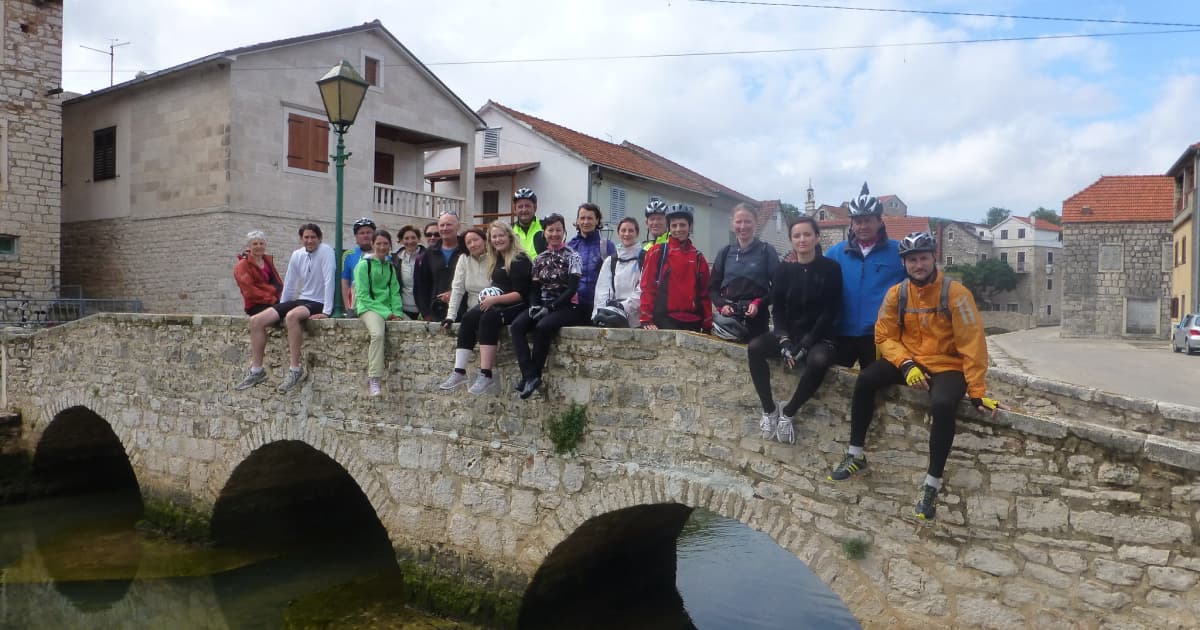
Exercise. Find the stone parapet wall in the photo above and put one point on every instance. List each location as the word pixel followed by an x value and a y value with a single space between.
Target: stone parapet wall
pixel 1086 513
pixel 1008 321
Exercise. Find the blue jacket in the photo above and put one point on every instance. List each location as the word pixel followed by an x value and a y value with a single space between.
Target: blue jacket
pixel 865 282
pixel 592 250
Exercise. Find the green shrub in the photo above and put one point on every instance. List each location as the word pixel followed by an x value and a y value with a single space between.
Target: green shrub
pixel 566 431
pixel 855 548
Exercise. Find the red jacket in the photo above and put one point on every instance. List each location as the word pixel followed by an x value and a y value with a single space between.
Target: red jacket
pixel 257 289
pixel 683 277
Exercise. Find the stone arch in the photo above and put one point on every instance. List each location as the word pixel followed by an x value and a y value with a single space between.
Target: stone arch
pixel 75 435
pixel 731 497
pixel 121 423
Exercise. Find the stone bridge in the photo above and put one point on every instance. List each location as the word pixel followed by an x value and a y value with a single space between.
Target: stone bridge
pixel 1083 513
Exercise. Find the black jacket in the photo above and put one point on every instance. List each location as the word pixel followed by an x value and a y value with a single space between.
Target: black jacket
pixel 517 278
pixel 807 300
pixel 432 277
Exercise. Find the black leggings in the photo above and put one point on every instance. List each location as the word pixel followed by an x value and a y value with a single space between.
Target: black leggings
pixel 484 326
pixel 666 322
pixel 851 349
pixel 544 330
pixel 816 364
pixel 946 389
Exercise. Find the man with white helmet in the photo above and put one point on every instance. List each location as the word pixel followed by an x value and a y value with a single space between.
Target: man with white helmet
pixel 931 337
pixel 527 227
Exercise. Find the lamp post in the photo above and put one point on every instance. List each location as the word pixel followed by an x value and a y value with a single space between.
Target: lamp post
pixel 342 91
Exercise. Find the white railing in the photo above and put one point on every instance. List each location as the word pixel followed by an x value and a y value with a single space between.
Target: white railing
pixel 392 200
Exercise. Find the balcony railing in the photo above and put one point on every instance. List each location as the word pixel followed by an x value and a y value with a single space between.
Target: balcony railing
pixel 426 205
pixel 31 313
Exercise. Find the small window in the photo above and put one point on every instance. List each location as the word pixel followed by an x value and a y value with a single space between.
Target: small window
pixel 491 205
pixel 983 257
pixel 949 260
pixel 1060 237
pixel 1003 234
pixel 1110 257
pixel 1020 232
pixel 1003 256
pixel 1167 258
pixel 1049 258
pixel 307 143
pixel 1020 261
pixel 1175 312
pixel 822 216
pixel 104 154
pixel 371 70
pixel 8 245
pixel 372 66
pixel 949 235
pixel 1049 284
pixel 1049 310
pixel 491 142
pixel 616 205
pixel 1012 307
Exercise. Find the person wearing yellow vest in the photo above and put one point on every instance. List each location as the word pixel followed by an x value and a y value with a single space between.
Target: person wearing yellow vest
pixel 656 224
pixel 527 227
pixel 931 338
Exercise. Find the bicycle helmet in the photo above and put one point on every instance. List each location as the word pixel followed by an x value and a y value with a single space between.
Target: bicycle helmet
pixel 610 317
pixel 363 222
pixel 865 205
pixel 656 206
pixel 490 292
pixel 525 193
pixel 681 210
pixel 730 328
pixel 917 242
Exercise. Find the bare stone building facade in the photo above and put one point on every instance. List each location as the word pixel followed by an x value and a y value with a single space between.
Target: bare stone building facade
pixel 30 147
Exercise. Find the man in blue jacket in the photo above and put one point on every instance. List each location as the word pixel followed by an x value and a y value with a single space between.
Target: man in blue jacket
pixel 870 266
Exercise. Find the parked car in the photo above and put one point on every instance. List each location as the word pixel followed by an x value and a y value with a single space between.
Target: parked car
pixel 1186 334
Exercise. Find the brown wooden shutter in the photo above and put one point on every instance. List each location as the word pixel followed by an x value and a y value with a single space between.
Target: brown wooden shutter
pixel 319 136
pixel 298 143
pixel 371 71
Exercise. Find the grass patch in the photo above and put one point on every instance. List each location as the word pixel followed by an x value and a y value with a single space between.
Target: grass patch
pixel 855 548
pixel 566 431
pixel 174 520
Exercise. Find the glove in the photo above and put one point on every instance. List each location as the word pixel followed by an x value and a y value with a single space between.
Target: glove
pixel 985 402
pixel 792 352
pixel 446 323
pixel 537 312
pixel 912 373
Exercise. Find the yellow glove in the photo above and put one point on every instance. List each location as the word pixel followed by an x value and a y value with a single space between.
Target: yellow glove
pixel 985 402
pixel 912 373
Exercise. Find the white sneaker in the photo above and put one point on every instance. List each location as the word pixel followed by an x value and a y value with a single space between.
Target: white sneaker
pixel 454 380
pixel 482 384
pixel 294 377
pixel 373 387
pixel 767 424
pixel 784 431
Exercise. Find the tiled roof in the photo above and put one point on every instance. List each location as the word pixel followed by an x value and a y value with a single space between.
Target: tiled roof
pixel 612 155
pixel 715 187
pixel 1122 198
pixel 498 169
pixel 899 227
pixel 1043 224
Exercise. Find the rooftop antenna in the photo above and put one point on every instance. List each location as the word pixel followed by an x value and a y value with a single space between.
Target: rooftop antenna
pixel 113 43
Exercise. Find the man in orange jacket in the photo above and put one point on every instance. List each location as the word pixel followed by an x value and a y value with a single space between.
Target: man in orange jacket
pixel 931 338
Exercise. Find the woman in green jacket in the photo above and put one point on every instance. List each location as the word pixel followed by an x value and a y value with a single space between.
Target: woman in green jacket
pixel 377 298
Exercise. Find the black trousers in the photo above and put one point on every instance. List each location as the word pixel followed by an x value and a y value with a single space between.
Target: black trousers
pixel 817 362
pixel 855 349
pixel 543 331
pixel 946 389
pixel 484 326
pixel 666 322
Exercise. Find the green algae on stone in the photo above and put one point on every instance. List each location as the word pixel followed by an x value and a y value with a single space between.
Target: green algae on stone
pixel 175 520
pixel 444 594
pixel 375 602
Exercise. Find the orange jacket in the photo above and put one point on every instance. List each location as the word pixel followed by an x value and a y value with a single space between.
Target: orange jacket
pixel 255 288
pixel 938 342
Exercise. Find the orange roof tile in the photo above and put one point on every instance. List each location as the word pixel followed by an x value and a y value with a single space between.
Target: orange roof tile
pixel 1122 198
pixel 498 169
pixel 713 186
pixel 1043 224
pixel 606 153
pixel 899 227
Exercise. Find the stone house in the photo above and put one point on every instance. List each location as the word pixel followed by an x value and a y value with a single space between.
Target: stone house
pixel 1034 249
pixel 1185 239
pixel 30 147
pixel 962 243
pixel 165 174
pixel 1117 252
pixel 566 168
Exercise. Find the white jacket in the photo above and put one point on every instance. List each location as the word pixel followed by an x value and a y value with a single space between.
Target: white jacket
pixel 470 277
pixel 627 281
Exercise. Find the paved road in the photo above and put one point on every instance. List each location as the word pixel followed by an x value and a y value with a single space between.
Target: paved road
pixel 1146 369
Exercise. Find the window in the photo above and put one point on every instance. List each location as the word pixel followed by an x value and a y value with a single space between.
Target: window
pixel 616 204
pixel 1003 234
pixel 1012 307
pixel 1060 237
pixel 949 235
pixel 491 205
pixel 491 142
pixel 1020 261
pixel 1166 257
pixel 1175 311
pixel 1049 258
pixel 307 143
pixel 1049 284
pixel 1003 256
pixel 1110 257
pixel 949 260
pixel 1049 310
pixel 983 257
pixel 371 71
pixel 822 216
pixel 8 245
pixel 1020 232
pixel 104 154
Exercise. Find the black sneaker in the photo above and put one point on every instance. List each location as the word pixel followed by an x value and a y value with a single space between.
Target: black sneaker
pixel 531 386
pixel 926 506
pixel 849 466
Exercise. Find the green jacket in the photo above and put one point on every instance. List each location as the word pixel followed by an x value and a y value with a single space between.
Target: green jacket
pixel 376 288
pixel 662 238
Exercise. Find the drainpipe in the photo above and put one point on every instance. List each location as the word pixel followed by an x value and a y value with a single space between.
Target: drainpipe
pixel 3 374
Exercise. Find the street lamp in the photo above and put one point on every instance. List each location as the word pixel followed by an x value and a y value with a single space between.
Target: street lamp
pixel 342 91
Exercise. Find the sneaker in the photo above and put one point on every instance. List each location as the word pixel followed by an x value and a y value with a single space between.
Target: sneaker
pixel 482 384
pixel 519 385
pixel 454 380
pixel 767 424
pixel 926 506
pixel 784 431
pixel 373 387
pixel 252 379
pixel 531 386
pixel 293 378
pixel 849 466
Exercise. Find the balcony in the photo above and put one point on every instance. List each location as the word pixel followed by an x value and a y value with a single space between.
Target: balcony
pixel 413 203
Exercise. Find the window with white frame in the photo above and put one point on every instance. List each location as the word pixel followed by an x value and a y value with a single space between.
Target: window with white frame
pixel 1003 234
pixel 949 235
pixel 949 260
pixel 1020 232
pixel 491 142
pixel 1012 307
pixel 1111 257
pixel 307 148
pixel 371 64
pixel 616 204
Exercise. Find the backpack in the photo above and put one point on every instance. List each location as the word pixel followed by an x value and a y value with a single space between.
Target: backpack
pixel 660 298
pixel 612 268
pixel 943 306
pixel 724 253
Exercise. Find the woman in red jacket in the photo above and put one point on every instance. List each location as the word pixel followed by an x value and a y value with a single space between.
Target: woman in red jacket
pixel 675 280
pixel 256 275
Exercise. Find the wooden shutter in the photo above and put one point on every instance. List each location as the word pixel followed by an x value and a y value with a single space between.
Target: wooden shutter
pixel 319 136
pixel 297 152
pixel 371 70
pixel 308 143
pixel 104 154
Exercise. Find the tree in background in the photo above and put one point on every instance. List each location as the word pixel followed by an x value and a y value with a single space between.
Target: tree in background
pixel 996 216
pixel 1046 214
pixel 986 278
pixel 789 211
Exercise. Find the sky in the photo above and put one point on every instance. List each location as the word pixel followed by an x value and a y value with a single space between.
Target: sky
pixel 953 129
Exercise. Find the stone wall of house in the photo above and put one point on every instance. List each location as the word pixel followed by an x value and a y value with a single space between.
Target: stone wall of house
pixel 1095 302
pixel 30 146
pixel 962 245
pixel 1079 509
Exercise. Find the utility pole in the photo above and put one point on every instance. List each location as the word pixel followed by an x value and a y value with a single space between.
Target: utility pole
pixel 113 43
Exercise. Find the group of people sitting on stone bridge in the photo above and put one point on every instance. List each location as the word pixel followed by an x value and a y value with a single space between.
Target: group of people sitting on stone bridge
pixel 868 297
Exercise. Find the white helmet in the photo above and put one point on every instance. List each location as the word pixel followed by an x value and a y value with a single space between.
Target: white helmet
pixel 490 292
pixel 865 205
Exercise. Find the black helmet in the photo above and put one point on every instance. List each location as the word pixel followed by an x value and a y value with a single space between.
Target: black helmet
pixel 610 317
pixel 363 222
pixel 656 206
pixel 865 205
pixel 917 242
pixel 525 193
pixel 681 210
pixel 730 328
